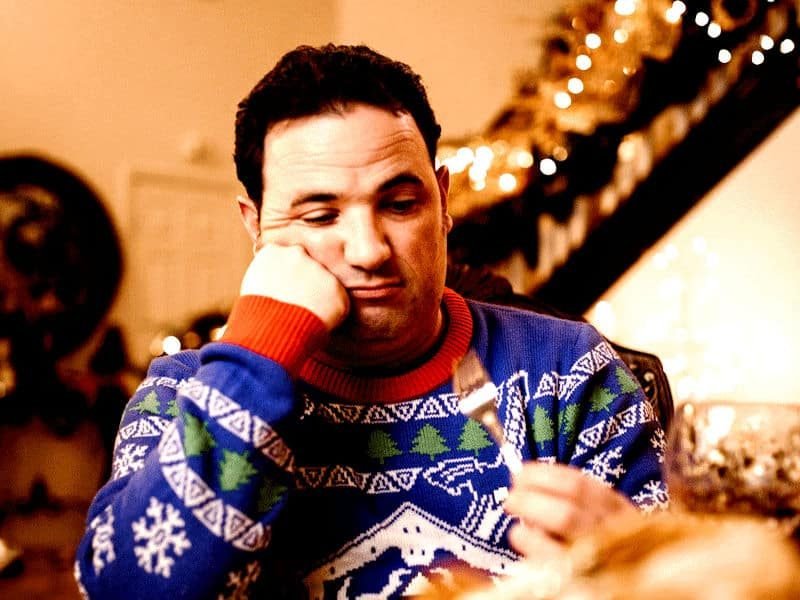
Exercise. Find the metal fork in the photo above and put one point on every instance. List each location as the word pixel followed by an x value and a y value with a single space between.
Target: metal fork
pixel 478 400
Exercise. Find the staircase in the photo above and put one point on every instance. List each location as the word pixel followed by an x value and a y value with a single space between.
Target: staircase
pixel 642 107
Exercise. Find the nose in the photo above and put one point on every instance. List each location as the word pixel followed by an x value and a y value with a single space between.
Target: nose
pixel 365 243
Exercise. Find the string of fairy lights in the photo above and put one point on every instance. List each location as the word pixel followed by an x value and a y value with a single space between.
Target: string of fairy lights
pixel 592 84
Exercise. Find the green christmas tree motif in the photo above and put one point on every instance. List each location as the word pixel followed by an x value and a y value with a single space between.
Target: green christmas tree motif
pixel 601 398
pixel 381 446
pixel 234 470
pixel 172 408
pixel 429 442
pixel 627 383
pixel 196 437
pixel 269 493
pixel 473 437
pixel 543 427
pixel 148 404
pixel 567 419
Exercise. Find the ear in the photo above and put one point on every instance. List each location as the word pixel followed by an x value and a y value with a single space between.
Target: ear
pixel 249 214
pixel 443 180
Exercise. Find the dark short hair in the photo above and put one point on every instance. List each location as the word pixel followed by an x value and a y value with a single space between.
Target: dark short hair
pixel 308 81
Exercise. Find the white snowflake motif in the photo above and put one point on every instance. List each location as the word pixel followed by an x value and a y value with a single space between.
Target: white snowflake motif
pixel 102 544
pixel 659 442
pixel 240 582
pixel 654 496
pixel 128 459
pixel 159 537
pixel 599 466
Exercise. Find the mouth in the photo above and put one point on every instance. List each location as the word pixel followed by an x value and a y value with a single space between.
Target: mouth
pixel 375 292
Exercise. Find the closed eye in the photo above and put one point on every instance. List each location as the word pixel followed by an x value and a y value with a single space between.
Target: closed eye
pixel 402 206
pixel 319 217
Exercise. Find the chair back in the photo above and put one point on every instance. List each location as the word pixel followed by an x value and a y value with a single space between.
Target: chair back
pixel 479 283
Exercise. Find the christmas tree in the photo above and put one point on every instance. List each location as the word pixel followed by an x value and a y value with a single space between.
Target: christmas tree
pixel 473 437
pixel 381 446
pixel 234 470
pixel 601 399
pixel 543 427
pixel 149 404
pixel 196 437
pixel 429 442
pixel 626 382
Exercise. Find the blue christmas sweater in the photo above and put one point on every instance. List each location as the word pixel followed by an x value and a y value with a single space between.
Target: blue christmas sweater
pixel 251 468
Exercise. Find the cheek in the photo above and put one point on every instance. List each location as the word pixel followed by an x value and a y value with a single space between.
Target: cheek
pixel 320 244
pixel 426 247
pixel 323 246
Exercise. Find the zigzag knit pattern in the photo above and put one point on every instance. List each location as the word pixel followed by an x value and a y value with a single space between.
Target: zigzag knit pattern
pixel 241 471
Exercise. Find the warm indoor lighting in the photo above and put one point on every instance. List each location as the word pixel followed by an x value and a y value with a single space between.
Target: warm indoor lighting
pixel 547 166
pixel 477 172
pixel 701 19
pixel 560 153
pixel 562 100
pixel 465 154
pixel 714 30
pixel 524 159
pixel 507 182
pixel 602 316
pixel 478 184
pixel 757 57
pixel 454 165
pixel 583 62
pixel 767 43
pixel 672 16
pixel 575 85
pixel 620 36
pixel 674 13
pixel 625 8
pixel 593 41
pixel 483 157
pixel 724 56
pixel 171 345
pixel 459 162
pixel 626 150
pixel 787 46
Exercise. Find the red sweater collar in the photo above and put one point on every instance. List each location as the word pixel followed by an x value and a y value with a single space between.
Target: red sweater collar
pixel 404 386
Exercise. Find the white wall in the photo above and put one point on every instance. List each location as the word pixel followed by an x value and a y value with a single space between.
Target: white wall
pixel 108 86
pixel 717 298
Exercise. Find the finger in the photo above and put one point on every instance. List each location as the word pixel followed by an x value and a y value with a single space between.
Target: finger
pixel 572 484
pixel 532 542
pixel 559 480
pixel 555 515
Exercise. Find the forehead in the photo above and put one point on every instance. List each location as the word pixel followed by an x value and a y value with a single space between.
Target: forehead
pixel 363 142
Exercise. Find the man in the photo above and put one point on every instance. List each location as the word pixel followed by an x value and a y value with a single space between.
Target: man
pixel 318 448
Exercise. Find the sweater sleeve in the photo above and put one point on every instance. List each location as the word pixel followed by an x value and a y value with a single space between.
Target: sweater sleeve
pixel 201 466
pixel 605 425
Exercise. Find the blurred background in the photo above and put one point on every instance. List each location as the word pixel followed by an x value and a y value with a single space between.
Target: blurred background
pixel 633 162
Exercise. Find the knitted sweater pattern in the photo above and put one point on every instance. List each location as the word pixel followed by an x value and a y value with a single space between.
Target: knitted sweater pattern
pixel 253 469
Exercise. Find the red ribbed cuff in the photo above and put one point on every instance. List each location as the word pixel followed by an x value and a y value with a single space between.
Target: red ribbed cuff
pixel 285 333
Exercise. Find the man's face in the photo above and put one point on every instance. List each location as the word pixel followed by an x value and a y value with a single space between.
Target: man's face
pixel 358 192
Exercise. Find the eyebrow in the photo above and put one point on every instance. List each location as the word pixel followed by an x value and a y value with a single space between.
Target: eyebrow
pixel 397 180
